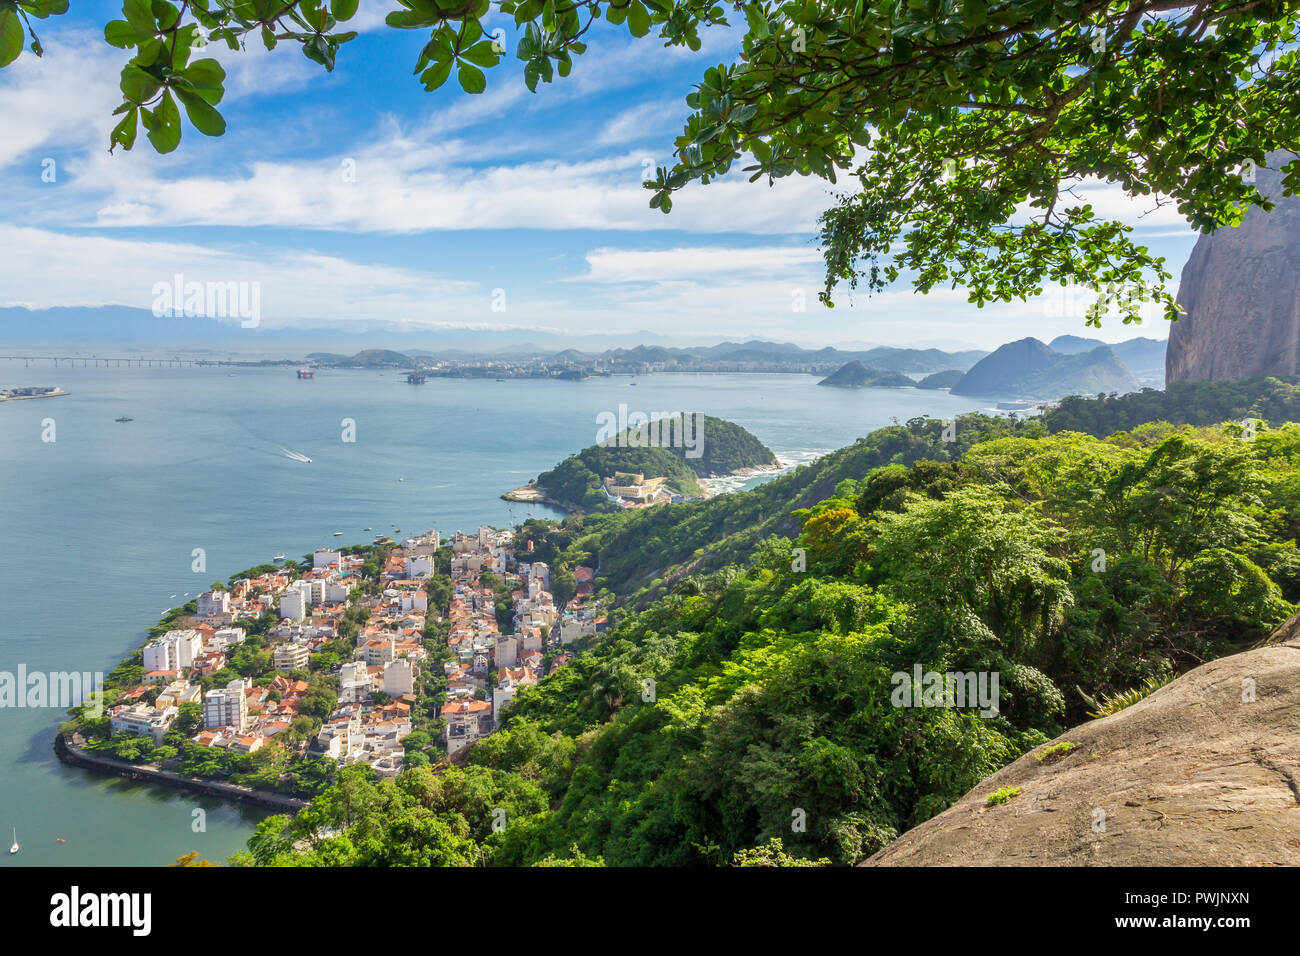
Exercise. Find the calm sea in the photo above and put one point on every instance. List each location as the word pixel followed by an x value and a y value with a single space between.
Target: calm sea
pixel 98 527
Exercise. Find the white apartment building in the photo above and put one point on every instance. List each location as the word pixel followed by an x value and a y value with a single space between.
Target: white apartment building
pixel 353 671
pixel 574 626
pixel 143 719
pixel 213 602
pixel 414 601
pixel 291 657
pixel 173 651
pixel 469 561
pixel 324 557
pixel 506 651
pixel 228 637
pixel 227 707
pixel 501 696
pixel 179 692
pixel 399 678
pixel 293 605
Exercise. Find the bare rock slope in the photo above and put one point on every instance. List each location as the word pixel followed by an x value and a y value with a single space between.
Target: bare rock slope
pixel 1241 291
pixel 1193 775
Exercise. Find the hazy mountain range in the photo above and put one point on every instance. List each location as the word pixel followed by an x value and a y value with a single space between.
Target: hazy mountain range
pixel 1032 369
pixel 1070 363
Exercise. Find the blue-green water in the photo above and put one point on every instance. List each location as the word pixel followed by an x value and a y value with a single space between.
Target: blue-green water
pixel 97 528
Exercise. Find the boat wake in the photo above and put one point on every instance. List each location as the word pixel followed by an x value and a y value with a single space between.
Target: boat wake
pixel 296 456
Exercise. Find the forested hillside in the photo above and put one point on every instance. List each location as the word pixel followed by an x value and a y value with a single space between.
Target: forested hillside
pixel 1273 399
pixel 758 702
pixel 707 448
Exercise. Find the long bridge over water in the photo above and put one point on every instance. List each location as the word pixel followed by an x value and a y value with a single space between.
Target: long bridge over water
pixel 113 361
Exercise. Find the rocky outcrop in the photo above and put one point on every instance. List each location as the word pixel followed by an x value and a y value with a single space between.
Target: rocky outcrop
pixel 1196 774
pixel 1241 292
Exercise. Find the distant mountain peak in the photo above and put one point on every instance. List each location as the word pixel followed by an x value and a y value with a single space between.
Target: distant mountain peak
pixel 1029 368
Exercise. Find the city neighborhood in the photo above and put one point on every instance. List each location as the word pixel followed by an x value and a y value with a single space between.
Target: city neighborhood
pixel 361 617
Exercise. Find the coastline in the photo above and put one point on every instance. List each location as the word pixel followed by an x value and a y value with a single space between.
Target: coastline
pixel 534 495
pixel 146 773
pixel 716 485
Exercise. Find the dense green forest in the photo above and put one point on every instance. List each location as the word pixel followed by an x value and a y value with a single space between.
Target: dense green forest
pixel 711 447
pixel 1275 400
pixel 748 713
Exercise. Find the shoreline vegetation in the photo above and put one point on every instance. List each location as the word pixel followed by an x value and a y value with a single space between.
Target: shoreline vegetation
pixel 70 752
pixel 534 494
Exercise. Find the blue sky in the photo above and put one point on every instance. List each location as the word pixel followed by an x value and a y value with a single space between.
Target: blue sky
pixel 454 197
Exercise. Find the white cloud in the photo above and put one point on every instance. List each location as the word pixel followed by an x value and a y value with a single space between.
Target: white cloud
pixel 59 98
pixel 409 185
pixel 649 120
pixel 696 262
pixel 46 268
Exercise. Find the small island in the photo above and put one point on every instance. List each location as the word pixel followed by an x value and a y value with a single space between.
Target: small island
pixel 649 463
pixel 856 375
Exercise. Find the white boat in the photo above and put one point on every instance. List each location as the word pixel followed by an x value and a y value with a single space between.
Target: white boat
pixel 337 533
pixel 278 557
pixel 14 849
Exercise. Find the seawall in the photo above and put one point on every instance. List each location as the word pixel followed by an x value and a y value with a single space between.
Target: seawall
pixel 211 788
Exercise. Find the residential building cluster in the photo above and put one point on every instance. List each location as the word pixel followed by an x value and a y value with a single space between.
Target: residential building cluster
pixel 378 687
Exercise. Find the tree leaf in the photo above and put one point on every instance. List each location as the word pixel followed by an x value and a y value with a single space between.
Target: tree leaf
pixel 11 36
pixel 205 74
pixel 471 78
pixel 121 34
pixel 204 117
pixel 482 54
pixel 165 129
pixel 139 14
pixel 137 85
pixel 638 19
pixel 124 132
pixel 436 75
pixel 343 9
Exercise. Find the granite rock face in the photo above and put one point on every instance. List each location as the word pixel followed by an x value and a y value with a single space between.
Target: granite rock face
pixel 1241 292
pixel 1192 775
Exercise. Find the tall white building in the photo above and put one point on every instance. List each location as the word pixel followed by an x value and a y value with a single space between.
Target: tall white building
pixel 399 677
pixel 213 602
pixel 143 719
pixel 227 636
pixel 173 651
pixel 324 557
pixel 226 707
pixel 293 605
pixel 291 657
